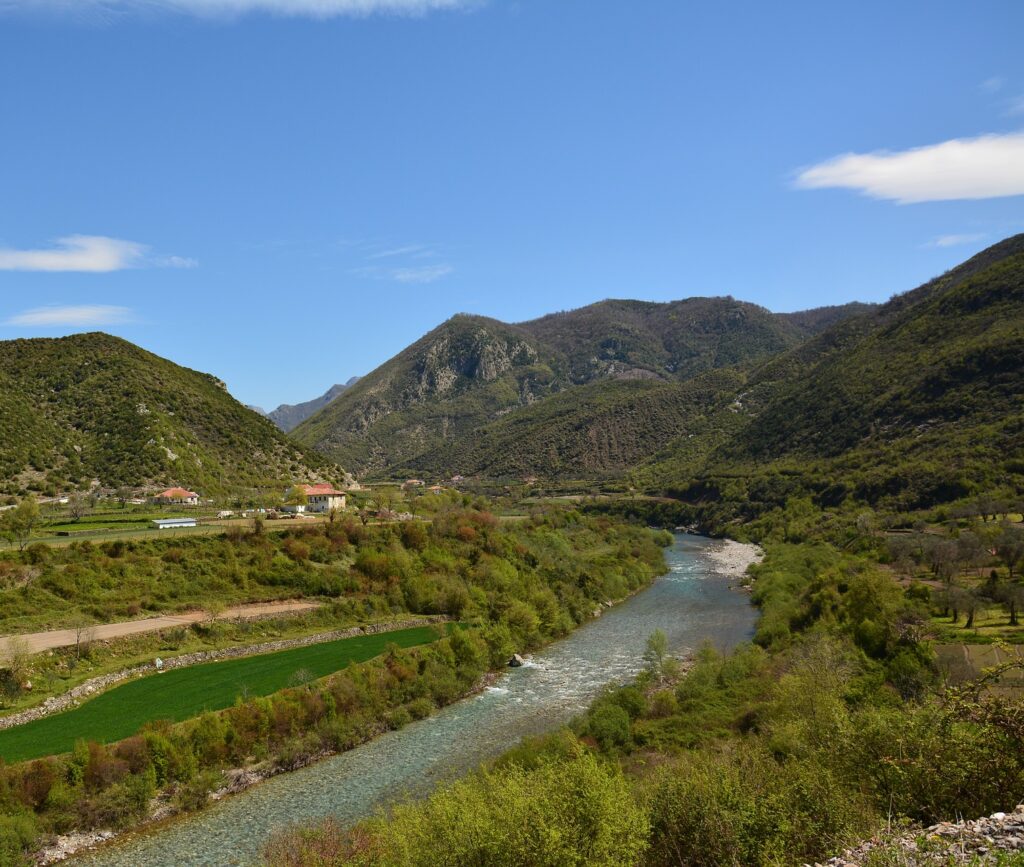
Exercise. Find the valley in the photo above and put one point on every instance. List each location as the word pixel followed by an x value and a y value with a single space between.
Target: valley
pixel 506 477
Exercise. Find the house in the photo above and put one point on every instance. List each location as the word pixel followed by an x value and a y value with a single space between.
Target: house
pixel 174 523
pixel 436 489
pixel 177 497
pixel 322 499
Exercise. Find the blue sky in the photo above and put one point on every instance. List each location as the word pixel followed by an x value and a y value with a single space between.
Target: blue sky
pixel 287 192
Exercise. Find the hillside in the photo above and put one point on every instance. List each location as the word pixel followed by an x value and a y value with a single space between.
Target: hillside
pixel 427 408
pixel 94 406
pixel 593 431
pixel 912 404
pixel 464 372
pixel 676 340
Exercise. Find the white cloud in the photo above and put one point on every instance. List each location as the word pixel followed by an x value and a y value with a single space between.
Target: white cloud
pixel 416 250
pixel 215 8
pixel 989 166
pixel 993 84
pixel 77 316
pixel 174 262
pixel 955 240
pixel 90 253
pixel 426 274
pixel 406 274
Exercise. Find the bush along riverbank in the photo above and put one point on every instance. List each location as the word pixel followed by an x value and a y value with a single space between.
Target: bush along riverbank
pixel 516 584
pixel 830 726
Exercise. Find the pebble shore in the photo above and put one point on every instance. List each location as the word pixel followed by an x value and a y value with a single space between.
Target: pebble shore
pixel 732 559
pixel 979 841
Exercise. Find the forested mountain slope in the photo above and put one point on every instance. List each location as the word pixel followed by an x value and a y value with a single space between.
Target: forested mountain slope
pixel 917 402
pixel 430 409
pixel 95 406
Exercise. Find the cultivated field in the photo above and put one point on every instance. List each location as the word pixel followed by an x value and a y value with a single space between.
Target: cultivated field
pixel 186 692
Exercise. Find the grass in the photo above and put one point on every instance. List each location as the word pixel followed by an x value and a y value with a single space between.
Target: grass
pixel 187 692
pixel 991 624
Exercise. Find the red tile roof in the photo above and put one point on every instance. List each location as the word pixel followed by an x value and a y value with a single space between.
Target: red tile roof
pixel 177 494
pixel 321 490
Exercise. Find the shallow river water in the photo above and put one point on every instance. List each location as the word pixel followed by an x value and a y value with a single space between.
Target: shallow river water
pixel 690 604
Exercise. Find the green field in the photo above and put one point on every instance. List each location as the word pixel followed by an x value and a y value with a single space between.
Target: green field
pixel 186 692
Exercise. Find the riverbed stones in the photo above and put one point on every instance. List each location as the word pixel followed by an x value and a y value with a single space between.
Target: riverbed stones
pixel 981 841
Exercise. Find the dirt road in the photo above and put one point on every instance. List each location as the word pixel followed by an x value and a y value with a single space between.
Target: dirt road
pixel 35 642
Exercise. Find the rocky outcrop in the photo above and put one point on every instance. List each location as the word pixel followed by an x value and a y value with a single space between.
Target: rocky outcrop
pixel 981 841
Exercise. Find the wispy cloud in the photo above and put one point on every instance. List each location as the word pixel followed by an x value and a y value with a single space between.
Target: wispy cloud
pixel 993 84
pixel 398 262
pixel 425 274
pixel 1015 106
pixel 989 166
pixel 418 251
pixel 406 274
pixel 955 240
pixel 220 8
pixel 89 253
pixel 75 316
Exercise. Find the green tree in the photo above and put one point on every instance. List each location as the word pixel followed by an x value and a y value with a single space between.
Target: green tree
pixel 1010 547
pixel 297 496
pixel 18 524
pixel 657 648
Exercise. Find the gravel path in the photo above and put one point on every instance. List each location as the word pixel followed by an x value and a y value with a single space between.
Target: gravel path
pixel 35 642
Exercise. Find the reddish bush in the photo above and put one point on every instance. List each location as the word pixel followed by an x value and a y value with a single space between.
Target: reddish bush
pixel 103 769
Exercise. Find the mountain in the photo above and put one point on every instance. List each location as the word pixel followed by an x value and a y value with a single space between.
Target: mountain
pixel 464 372
pixel 289 415
pixel 424 408
pixel 598 430
pixel 914 403
pixel 95 406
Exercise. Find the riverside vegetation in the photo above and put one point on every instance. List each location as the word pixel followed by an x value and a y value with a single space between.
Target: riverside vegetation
pixel 514 584
pixel 832 724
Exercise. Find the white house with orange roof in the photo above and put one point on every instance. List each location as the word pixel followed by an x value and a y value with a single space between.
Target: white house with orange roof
pixel 177 497
pixel 323 498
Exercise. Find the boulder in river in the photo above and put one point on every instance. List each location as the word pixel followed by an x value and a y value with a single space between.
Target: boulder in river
pixel 516 661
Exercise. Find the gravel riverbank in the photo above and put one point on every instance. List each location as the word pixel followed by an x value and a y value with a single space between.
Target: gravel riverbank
pixel 732 559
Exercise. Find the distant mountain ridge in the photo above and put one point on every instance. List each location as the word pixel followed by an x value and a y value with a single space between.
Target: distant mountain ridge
pixel 93 406
pixel 424 407
pixel 288 416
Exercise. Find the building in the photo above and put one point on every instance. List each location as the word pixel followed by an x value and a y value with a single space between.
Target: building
pixel 322 499
pixel 412 483
pixel 177 497
pixel 174 523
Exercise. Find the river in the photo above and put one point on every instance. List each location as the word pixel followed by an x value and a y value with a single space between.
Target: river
pixel 691 603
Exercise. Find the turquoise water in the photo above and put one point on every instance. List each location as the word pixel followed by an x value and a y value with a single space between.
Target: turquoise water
pixel 690 604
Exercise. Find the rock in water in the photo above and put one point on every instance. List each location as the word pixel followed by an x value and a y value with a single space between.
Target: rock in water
pixel 516 661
